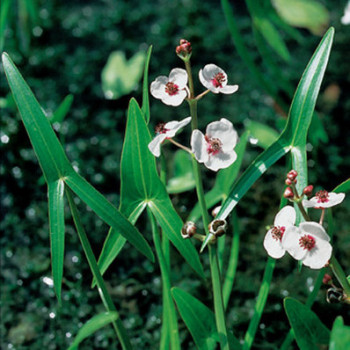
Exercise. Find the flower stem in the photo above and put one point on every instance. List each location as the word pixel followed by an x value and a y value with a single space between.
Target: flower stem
pixel 180 146
pixel 170 311
pixel 202 94
pixel 102 289
pixel 190 78
pixel 322 216
pixel 341 277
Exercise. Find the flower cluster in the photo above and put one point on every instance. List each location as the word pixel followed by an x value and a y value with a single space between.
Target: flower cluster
pixel 216 148
pixel 308 242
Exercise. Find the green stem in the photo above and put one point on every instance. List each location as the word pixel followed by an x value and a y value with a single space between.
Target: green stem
pixel 233 261
pixel 106 298
pixel 190 78
pixel 260 304
pixel 170 313
pixel 339 273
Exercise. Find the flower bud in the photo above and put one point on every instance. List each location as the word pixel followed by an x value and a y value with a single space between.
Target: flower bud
pixel 292 175
pixel 327 279
pixel 218 227
pixel 184 50
pixel 308 190
pixel 288 182
pixel 288 193
pixel 188 229
pixel 215 211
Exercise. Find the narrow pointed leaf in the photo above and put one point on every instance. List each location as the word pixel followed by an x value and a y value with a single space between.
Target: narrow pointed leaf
pixel 56 221
pixel 294 135
pixel 145 93
pixel 199 319
pixel 140 186
pixel 108 213
pixel 340 336
pixel 91 326
pixel 49 151
pixel 310 333
pixel 62 110
pixel 343 187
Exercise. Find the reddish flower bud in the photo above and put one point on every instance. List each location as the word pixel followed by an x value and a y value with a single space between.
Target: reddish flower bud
pixel 327 279
pixel 288 193
pixel 292 175
pixel 288 182
pixel 184 50
pixel 308 190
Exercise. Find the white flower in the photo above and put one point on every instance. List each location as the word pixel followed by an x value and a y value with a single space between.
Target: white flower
pixel 172 91
pixel 215 79
pixel 309 243
pixel 166 131
pixel 215 149
pixel 323 200
pixel 272 242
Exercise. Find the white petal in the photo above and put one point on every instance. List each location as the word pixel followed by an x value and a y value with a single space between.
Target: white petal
pixel 179 77
pixel 273 247
pixel 285 217
pixel 314 229
pixel 319 255
pixel 174 126
pixel 208 73
pixel 154 145
pixel 224 131
pixel 158 87
pixel 229 89
pixel 290 242
pixel 174 100
pixel 310 203
pixel 199 146
pixel 335 198
pixel 221 160
pixel 206 83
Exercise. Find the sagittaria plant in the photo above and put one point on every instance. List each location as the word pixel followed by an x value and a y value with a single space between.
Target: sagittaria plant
pixel 220 150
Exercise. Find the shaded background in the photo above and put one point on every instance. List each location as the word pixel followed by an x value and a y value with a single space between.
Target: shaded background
pixel 63 52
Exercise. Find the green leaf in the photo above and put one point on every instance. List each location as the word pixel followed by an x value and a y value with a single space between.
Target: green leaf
pixel 91 326
pixel 48 149
pixel 199 319
pixel 108 213
pixel 308 14
pixel 62 110
pixel 267 29
pixel 145 95
pixel 262 135
pixel 310 333
pixel 119 76
pixel 293 138
pixel 4 15
pixel 183 179
pixel 343 187
pixel 141 186
pixel 57 231
pixel 340 335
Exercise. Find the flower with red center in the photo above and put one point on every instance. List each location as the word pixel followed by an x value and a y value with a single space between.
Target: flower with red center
pixel 215 149
pixel 215 80
pixel 173 90
pixel 272 242
pixel 324 199
pixel 309 243
pixel 166 131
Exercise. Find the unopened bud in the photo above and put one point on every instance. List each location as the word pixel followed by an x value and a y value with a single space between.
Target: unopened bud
pixel 218 227
pixel 188 229
pixel 327 279
pixel 308 190
pixel 292 175
pixel 215 211
pixel 288 182
pixel 184 50
pixel 288 193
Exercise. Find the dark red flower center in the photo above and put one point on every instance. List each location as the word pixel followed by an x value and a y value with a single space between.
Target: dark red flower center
pixel 160 128
pixel 213 145
pixel 218 79
pixel 307 242
pixel 322 196
pixel 277 232
pixel 171 88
